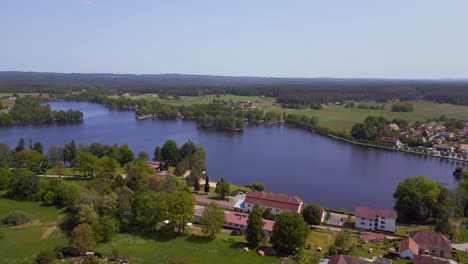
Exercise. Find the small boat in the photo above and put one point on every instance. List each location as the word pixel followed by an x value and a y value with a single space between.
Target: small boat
pixel 458 172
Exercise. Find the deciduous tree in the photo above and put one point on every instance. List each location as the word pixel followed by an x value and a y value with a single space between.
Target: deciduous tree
pixel 312 214
pixel 222 188
pixel 82 238
pixel 212 220
pixel 255 225
pixel 289 232
pixel 170 152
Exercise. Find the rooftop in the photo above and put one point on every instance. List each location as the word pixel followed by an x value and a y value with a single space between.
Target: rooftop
pixel 273 200
pixel 428 260
pixel 431 240
pixel 408 243
pixel 372 213
pixel 343 259
pixel 206 201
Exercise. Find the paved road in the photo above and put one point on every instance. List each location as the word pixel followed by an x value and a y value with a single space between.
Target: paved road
pixel 463 246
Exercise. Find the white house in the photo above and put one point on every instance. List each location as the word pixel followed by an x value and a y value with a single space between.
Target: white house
pixel 375 219
pixel 408 248
pixel 276 202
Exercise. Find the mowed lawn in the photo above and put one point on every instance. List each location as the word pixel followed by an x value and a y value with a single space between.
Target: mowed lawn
pixel 154 248
pixel 22 244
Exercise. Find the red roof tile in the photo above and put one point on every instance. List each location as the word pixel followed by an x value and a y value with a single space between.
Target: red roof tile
pixel 389 139
pixel 428 260
pixel 372 213
pixel 241 219
pixel 206 201
pixel 408 243
pixel 284 202
pixel 343 259
pixel 431 240
pixel 237 218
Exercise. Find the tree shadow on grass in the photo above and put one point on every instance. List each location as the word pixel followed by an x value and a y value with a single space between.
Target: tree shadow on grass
pixel 158 236
pixel 237 245
pixel 198 239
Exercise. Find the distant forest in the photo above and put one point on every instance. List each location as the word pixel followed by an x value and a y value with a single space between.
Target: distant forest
pixel 300 91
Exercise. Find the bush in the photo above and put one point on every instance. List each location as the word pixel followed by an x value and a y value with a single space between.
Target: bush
pixel 16 218
pixel 45 257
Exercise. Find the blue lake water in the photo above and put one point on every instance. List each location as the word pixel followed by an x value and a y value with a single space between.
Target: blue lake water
pixel 287 160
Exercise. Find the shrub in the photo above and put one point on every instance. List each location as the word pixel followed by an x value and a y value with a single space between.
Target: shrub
pixel 45 257
pixel 16 218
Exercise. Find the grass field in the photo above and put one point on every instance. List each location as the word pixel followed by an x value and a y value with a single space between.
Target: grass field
pixel 339 117
pixel 152 248
pixel 188 100
pixel 335 116
pixel 7 102
pixel 20 245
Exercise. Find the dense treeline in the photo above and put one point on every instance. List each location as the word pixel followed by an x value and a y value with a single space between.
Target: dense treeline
pixel 300 91
pixel 28 110
pixel 218 114
pixel 97 211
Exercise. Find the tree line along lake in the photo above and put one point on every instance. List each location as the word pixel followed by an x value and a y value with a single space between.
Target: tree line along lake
pixel 287 160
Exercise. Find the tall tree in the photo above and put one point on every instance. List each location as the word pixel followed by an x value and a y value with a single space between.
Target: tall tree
pixel 170 152
pixel 55 157
pixel 5 154
pixel 143 155
pixel 126 155
pixel 151 208
pixel 82 238
pixel 222 188
pixel 255 234
pixel 86 163
pixel 417 198
pixel 157 154
pixel 212 220
pixel 70 152
pixel 312 214
pixel 267 214
pixel 20 146
pixel 181 208
pixel 187 150
pixel 289 232
pixel 37 146
pixel 206 188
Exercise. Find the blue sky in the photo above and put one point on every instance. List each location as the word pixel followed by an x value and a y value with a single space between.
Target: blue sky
pixel 310 38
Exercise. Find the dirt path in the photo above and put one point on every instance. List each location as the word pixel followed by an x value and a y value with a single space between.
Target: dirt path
pixel 49 231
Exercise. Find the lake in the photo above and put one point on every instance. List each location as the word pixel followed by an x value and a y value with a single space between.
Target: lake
pixel 287 160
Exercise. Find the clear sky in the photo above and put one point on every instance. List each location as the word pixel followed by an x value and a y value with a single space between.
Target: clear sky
pixel 289 38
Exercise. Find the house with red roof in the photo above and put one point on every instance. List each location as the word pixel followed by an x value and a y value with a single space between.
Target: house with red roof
pixel 408 248
pixel 391 140
pixel 276 202
pixel 375 219
pixel 432 243
pixel 236 221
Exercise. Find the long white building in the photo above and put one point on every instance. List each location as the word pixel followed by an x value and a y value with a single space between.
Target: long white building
pixel 375 219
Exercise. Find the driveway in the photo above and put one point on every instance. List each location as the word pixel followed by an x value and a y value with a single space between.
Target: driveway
pixel 337 219
pixel 463 247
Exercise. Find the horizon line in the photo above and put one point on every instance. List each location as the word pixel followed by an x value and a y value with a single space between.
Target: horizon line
pixel 246 76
